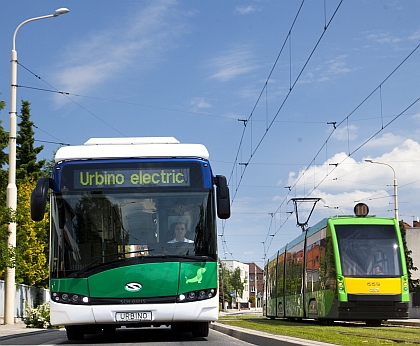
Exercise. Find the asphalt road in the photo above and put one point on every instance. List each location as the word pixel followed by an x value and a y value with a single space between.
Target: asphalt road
pixel 146 336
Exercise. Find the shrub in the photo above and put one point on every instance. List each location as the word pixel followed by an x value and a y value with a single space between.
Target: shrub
pixel 38 317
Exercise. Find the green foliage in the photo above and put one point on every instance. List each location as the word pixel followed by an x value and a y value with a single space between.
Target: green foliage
pixel 237 284
pixel 225 285
pixel 26 154
pixel 49 166
pixel 38 317
pixel 31 253
pixel 231 282
pixel 31 241
pixel 413 283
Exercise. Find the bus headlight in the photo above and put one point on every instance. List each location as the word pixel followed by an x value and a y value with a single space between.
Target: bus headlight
pixel 196 295
pixel 69 298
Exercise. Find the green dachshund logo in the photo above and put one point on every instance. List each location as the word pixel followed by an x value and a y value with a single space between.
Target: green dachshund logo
pixel 198 278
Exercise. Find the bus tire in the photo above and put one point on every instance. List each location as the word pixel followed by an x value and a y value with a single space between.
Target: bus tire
pixel 75 332
pixel 201 329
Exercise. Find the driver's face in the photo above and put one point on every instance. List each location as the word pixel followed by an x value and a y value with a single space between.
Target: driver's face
pixel 180 231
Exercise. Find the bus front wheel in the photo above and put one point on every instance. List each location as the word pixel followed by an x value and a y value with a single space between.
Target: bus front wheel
pixel 201 329
pixel 75 332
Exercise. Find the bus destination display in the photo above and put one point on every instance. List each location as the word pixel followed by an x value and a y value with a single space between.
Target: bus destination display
pixel 116 178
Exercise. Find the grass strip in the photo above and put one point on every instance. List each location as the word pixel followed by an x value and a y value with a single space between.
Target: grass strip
pixel 347 334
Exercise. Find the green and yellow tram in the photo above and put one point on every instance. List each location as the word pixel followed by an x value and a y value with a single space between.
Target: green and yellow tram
pixel 343 268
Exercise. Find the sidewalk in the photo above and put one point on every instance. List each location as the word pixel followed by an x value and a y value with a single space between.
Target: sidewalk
pixel 17 328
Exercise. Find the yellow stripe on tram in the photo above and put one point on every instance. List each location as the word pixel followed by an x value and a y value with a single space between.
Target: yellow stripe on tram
pixel 373 285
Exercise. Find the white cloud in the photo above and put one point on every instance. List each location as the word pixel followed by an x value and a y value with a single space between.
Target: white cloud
pixel 199 103
pixel 231 64
pixel 384 38
pixel 353 181
pixel 416 116
pixel 345 133
pixel 136 42
pixel 415 36
pixel 329 70
pixel 387 140
pixel 245 9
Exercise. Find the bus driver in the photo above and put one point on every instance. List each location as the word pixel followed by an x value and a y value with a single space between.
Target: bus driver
pixel 180 229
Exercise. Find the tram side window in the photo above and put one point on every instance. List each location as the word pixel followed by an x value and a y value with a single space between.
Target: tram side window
pixel 294 271
pixel 327 270
pixel 313 254
pixel 271 282
pixel 280 275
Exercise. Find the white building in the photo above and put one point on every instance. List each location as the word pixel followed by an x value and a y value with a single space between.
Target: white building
pixel 231 265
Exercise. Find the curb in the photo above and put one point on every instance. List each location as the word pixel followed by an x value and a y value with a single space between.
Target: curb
pixel 260 338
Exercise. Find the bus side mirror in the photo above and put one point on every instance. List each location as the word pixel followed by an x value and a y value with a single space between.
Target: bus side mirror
pixel 39 199
pixel 222 198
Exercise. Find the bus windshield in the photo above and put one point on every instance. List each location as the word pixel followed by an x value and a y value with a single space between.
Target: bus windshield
pixel 96 229
pixel 368 250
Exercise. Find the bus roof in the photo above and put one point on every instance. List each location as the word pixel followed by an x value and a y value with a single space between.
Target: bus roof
pixel 131 147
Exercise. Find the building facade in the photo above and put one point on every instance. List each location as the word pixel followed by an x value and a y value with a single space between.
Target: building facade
pixel 231 265
pixel 256 284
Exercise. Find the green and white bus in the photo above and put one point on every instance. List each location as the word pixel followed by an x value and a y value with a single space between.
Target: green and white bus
pixel 115 256
pixel 343 268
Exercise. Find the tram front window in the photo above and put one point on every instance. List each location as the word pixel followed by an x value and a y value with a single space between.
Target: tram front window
pixel 368 250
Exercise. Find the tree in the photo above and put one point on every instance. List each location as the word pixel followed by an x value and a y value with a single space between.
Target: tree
pixel 26 153
pixel 31 241
pixel 31 252
pixel 225 286
pixel 5 252
pixel 236 282
pixel 414 284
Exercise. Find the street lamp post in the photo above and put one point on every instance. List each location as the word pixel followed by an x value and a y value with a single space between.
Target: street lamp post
pixel 395 186
pixel 11 199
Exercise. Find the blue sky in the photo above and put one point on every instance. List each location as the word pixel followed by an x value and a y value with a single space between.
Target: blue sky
pixel 196 69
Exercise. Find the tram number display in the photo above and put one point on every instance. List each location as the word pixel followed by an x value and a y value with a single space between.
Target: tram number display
pixel 133 316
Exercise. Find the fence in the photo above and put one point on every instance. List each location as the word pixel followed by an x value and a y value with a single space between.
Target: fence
pixel 32 295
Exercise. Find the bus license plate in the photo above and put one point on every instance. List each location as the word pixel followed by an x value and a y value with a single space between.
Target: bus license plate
pixel 134 316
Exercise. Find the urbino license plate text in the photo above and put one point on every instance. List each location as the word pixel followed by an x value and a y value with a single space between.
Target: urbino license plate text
pixel 133 316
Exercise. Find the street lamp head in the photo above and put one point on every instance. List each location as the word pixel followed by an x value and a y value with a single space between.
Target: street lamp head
pixel 369 161
pixel 62 10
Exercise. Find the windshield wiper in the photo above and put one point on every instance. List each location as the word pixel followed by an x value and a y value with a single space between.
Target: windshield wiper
pixel 92 264
pixel 194 257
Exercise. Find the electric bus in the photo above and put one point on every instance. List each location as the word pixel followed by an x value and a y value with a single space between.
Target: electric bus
pixel 114 257
pixel 343 268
